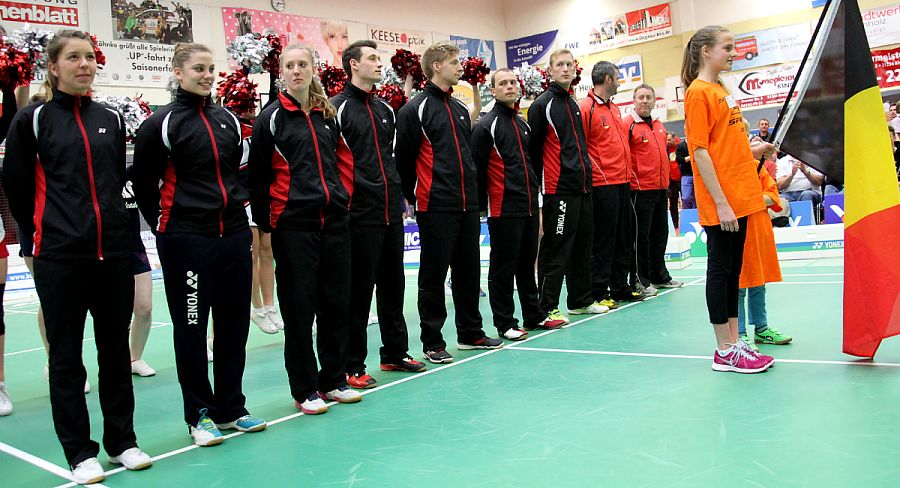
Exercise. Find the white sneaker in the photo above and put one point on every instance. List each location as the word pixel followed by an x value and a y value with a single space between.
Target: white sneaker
pixel 261 318
pixel 209 349
pixel 593 308
pixel 275 317
pixel 133 459
pixel 515 334
pixel 88 471
pixel 343 394
pixel 141 368
pixel 6 407
pixel 312 405
pixel 87 382
pixel 373 319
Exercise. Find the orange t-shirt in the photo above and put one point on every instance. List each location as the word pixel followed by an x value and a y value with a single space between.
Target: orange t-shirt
pixel 713 121
pixel 760 265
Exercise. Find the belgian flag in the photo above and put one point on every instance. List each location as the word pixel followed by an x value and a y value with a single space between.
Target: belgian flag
pixel 840 129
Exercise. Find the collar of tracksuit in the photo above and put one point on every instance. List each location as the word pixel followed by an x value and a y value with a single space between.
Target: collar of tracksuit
pixel 291 104
pixel 68 100
pixel 600 100
pixel 192 99
pixel 502 109
pixel 358 92
pixel 558 89
pixel 435 90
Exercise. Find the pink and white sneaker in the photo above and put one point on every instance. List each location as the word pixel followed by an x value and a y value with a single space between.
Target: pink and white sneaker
pixel 765 357
pixel 738 360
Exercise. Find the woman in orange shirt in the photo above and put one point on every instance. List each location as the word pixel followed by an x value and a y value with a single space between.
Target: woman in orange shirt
pixel 725 185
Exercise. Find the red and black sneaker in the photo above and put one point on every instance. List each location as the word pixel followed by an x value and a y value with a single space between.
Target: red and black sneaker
pixel 407 364
pixel 361 381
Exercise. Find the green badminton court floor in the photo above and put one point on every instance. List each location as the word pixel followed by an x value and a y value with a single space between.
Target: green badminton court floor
pixel 625 399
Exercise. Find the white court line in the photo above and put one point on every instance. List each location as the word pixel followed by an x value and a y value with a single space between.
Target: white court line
pixel 707 358
pixel 395 383
pixel 86 339
pixel 40 463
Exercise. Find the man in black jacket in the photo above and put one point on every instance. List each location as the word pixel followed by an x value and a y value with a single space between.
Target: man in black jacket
pixel 365 156
pixel 439 176
pixel 508 190
pixel 560 157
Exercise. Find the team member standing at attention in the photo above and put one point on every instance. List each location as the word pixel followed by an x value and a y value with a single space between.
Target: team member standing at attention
pixel 607 144
pixel 439 176
pixel 297 195
pixel 193 147
pixel 63 174
pixel 726 187
pixel 365 156
pixel 649 186
pixel 560 158
pixel 509 191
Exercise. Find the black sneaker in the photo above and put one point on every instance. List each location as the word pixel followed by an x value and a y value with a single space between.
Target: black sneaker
pixel 439 356
pixel 406 364
pixel 483 343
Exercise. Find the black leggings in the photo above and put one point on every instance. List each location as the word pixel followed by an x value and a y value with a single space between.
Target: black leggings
pixel 723 272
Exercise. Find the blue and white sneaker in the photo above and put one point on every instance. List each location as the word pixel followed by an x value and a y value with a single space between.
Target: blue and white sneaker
pixel 247 423
pixel 205 432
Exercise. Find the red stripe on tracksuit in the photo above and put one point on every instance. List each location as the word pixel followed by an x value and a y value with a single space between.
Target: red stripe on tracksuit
pixel 40 203
pixel 496 184
pixel 551 171
pixel 166 195
pixel 278 190
pixel 424 173
pixel 346 166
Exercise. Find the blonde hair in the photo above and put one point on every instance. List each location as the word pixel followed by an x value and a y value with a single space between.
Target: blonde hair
pixel 558 53
pixel 331 27
pixel 317 97
pixel 54 49
pixel 183 51
pixel 690 65
pixel 437 53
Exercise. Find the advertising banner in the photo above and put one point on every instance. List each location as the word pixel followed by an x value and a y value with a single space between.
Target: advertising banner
pixel 771 46
pixel 328 38
pixel 390 39
pixel 530 50
pixel 882 25
pixel 475 47
pixel 637 26
pixel 62 14
pixel 761 87
pixel 887 67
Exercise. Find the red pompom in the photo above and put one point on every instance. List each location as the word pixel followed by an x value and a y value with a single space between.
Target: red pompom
pixel 238 92
pixel 475 71
pixel 333 79
pixel 15 67
pixel 272 61
pixel 393 95
pixel 409 63
pixel 577 79
pixel 98 54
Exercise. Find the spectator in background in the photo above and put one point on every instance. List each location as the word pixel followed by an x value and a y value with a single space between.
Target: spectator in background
pixel 674 178
pixel 763 126
pixel 798 182
pixel 683 158
pixel 891 115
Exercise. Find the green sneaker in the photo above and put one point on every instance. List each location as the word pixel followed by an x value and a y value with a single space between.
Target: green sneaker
pixel 555 314
pixel 746 340
pixel 772 336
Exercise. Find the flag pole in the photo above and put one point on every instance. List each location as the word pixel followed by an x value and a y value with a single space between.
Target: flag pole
pixel 788 110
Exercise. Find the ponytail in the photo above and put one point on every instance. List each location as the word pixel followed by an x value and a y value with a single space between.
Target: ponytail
pixel 690 65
